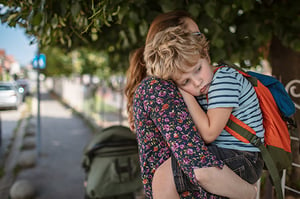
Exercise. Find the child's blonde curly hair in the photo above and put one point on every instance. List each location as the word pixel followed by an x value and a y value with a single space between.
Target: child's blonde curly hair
pixel 173 51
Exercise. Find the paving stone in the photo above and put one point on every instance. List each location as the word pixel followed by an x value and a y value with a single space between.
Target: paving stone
pixel 30 131
pixel 22 189
pixel 29 143
pixel 27 158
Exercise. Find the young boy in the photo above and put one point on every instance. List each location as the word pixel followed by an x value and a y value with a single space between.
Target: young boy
pixel 220 94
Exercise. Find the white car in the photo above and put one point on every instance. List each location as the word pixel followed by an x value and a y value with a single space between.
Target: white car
pixel 10 97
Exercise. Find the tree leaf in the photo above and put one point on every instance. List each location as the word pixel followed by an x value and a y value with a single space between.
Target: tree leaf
pixel 37 19
pixel 210 8
pixel 247 5
pixel 54 21
pixel 75 9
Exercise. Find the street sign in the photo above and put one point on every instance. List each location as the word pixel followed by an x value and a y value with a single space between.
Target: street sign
pixel 39 61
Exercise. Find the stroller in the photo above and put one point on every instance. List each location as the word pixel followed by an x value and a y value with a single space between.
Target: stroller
pixel 111 164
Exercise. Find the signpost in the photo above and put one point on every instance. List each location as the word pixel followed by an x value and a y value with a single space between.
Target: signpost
pixel 39 62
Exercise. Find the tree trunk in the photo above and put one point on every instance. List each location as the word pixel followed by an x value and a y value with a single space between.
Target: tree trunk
pixel 286 67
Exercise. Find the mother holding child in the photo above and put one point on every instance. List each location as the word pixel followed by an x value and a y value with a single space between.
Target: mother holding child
pixel 184 151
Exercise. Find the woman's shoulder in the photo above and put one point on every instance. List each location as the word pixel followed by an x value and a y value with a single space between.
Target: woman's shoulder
pixel 153 88
pixel 157 83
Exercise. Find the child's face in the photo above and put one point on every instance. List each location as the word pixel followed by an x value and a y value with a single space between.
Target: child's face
pixel 197 80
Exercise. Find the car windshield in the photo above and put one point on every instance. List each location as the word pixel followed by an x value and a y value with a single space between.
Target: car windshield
pixel 5 87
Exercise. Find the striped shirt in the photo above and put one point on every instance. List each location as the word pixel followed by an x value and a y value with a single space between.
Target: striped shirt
pixel 230 89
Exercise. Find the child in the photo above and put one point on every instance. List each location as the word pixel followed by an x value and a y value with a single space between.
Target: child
pixel 183 57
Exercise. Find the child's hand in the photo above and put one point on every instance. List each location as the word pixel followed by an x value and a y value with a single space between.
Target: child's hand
pixel 186 95
pixel 183 92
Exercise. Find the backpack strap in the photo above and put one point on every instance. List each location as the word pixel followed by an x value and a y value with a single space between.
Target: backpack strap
pixel 240 130
pixel 234 126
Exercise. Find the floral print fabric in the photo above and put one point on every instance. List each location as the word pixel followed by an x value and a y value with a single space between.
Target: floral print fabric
pixel 164 127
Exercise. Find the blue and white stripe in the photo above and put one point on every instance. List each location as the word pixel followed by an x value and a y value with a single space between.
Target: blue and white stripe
pixel 230 89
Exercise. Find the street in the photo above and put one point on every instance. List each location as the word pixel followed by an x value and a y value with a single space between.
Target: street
pixel 9 120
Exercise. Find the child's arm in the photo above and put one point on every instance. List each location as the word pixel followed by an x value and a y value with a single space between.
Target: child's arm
pixel 209 125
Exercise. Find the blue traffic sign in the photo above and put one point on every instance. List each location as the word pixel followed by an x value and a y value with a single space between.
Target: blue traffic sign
pixel 39 61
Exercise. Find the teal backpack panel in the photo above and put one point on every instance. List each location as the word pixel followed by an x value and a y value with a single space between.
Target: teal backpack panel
pixel 281 97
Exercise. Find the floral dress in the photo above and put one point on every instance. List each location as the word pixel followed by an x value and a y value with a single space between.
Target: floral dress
pixel 164 127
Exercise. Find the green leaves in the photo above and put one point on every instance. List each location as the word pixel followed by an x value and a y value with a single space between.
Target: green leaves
pixel 210 8
pixel 236 29
pixel 75 9
pixel 54 21
pixel 247 5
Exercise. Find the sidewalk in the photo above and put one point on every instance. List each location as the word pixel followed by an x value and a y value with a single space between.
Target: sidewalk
pixel 58 173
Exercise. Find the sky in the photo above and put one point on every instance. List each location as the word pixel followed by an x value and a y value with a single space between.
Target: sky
pixel 15 42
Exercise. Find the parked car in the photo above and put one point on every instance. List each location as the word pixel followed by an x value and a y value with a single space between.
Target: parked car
pixel 10 97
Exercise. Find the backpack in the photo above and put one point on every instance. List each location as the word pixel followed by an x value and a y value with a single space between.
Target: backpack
pixel 277 107
pixel 111 164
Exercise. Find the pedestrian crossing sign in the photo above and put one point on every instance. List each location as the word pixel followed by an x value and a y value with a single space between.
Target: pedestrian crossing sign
pixel 39 61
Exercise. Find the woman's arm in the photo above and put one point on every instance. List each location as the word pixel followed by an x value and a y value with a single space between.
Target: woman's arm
pixel 209 125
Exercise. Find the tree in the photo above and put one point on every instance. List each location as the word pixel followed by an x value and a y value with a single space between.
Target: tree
pixel 58 63
pixel 92 62
pixel 239 31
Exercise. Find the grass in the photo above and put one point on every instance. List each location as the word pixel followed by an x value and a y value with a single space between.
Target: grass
pixel 97 104
pixel 96 109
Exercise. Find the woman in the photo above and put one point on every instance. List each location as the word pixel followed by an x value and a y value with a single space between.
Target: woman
pixel 164 128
